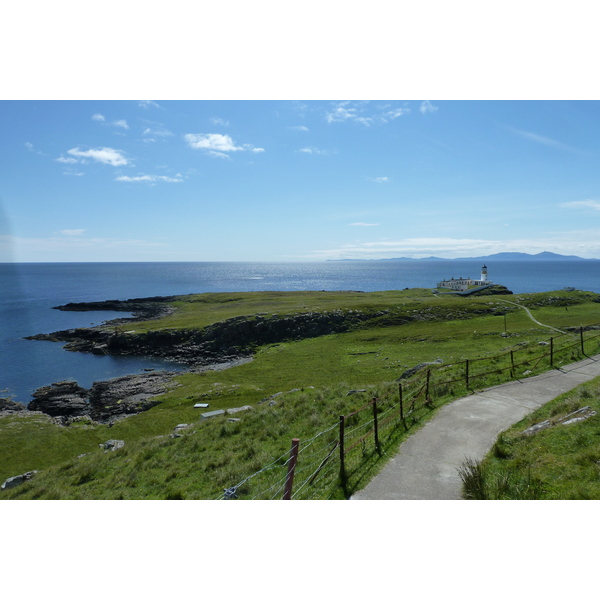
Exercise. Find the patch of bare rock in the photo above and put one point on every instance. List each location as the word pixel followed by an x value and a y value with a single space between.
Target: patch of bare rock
pixel 105 402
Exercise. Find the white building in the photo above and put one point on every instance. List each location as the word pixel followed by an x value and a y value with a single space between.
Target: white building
pixel 462 284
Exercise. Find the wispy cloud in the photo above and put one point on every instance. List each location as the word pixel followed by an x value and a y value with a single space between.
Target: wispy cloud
pixel 394 114
pixel 55 246
pixel 120 123
pixel 340 113
pixel 360 224
pixel 69 160
pixel 580 243
pixel 107 156
pixel 31 148
pixel 159 131
pixel 219 121
pixel 150 178
pixel 364 112
pixel 312 150
pixel 299 128
pixel 147 104
pixel 427 107
pixel 216 144
pixel 73 232
pixel 583 204
pixel 546 141
pixel 380 179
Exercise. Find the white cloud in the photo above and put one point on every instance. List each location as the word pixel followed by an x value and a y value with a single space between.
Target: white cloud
pixel 380 179
pixel 581 243
pixel 592 204
pixel 211 141
pixel 340 114
pixel 218 121
pixel 299 128
pixel 122 123
pixel 366 113
pixel 216 144
pixel 311 150
pixel 66 159
pixel 394 114
pixel 107 156
pixel 147 104
pixel 73 232
pixel 427 107
pixel 160 131
pixel 98 117
pixel 74 173
pixel 215 154
pixel 364 224
pixel 150 179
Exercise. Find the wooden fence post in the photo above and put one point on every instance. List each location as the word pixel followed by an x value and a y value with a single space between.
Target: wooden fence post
pixel 467 372
pixel 427 398
pixel 342 462
pixel 401 394
pixel 289 481
pixel 581 336
pixel 512 363
pixel 376 426
pixel 551 351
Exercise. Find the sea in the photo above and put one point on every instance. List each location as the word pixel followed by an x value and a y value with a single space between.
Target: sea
pixel 29 291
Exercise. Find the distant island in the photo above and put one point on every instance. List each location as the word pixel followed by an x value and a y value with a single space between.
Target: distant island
pixel 492 257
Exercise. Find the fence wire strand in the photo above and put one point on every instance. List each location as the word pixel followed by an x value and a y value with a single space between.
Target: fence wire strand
pixel 318 458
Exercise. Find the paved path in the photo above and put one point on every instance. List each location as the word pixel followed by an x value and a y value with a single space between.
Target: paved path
pixel 426 466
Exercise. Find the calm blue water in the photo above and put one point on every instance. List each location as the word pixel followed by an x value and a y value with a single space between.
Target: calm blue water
pixel 29 291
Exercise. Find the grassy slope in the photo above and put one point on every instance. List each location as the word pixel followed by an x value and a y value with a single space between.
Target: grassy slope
pixel 562 462
pixel 369 356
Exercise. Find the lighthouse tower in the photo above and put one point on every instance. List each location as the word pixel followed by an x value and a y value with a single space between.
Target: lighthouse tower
pixel 484 273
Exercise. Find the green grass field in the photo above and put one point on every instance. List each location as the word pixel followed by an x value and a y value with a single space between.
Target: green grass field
pixel 370 356
pixel 558 463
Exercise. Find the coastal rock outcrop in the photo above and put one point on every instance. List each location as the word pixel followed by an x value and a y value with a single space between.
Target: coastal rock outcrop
pixel 128 395
pixel 64 398
pixel 6 404
pixel 105 402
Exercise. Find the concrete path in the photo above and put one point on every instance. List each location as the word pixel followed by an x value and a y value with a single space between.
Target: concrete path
pixel 426 466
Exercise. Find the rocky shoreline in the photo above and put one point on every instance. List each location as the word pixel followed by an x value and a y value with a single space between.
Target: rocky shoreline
pixel 109 401
pixel 220 345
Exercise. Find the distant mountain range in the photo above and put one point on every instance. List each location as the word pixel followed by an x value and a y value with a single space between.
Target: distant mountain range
pixel 512 256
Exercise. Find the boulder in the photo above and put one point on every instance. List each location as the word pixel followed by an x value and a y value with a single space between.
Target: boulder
pixel 212 413
pixel 537 427
pixel 410 372
pixel 232 411
pixel 12 482
pixel 112 445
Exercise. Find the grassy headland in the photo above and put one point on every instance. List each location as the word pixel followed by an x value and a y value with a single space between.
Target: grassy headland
pixel 343 341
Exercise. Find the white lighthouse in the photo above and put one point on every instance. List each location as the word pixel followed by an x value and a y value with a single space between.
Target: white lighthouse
pixel 484 274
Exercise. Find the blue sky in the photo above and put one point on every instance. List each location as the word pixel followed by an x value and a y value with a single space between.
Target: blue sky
pixel 290 180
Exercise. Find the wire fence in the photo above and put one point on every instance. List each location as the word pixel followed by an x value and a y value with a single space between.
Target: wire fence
pixel 335 461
